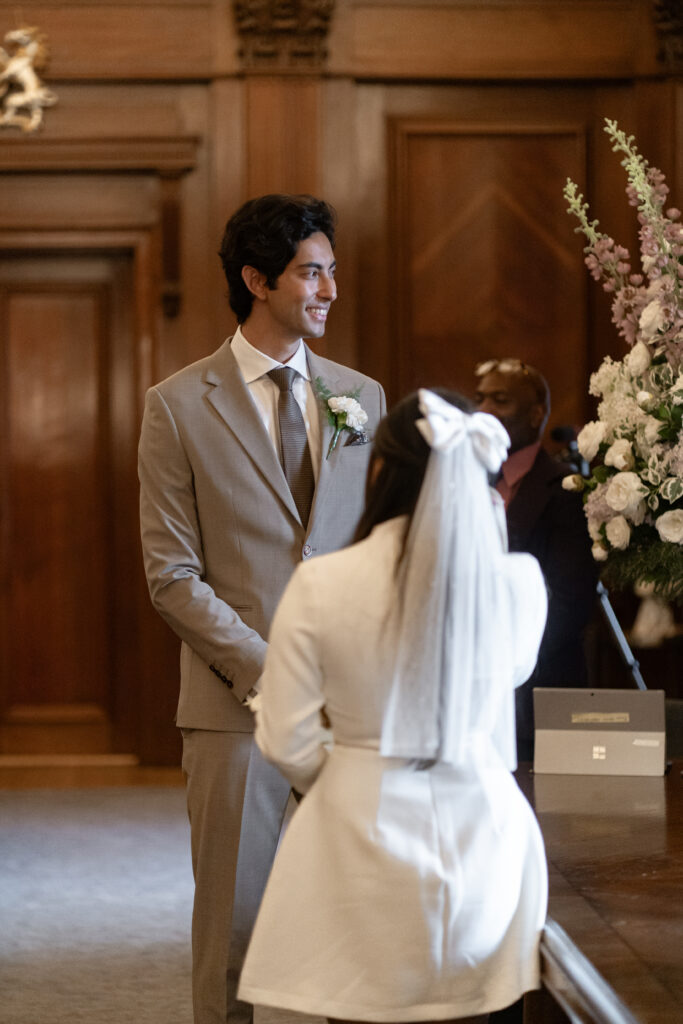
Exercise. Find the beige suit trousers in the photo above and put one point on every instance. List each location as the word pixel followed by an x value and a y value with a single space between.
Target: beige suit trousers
pixel 232 792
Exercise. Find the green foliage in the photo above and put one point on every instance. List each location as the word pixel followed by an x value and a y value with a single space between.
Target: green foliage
pixel 654 561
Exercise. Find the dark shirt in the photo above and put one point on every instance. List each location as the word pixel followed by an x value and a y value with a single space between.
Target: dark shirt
pixel 549 523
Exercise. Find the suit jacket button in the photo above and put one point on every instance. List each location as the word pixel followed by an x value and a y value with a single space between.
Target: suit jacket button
pixel 306 551
pixel 227 683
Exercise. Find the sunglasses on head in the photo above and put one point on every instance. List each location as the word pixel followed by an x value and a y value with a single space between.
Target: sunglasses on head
pixel 502 366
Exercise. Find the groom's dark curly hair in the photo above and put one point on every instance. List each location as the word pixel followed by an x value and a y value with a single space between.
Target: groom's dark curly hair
pixel 265 233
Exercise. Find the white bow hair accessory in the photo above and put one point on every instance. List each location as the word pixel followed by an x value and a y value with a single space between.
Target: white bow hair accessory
pixel 445 427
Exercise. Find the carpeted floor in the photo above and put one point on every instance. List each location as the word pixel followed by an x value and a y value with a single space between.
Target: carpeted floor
pixel 95 907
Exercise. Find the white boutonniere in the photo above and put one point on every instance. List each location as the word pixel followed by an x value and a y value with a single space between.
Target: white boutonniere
pixel 344 412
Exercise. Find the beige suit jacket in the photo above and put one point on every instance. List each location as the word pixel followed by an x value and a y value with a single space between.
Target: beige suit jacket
pixel 220 531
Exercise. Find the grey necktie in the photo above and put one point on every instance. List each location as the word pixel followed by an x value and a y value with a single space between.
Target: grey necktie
pixel 296 456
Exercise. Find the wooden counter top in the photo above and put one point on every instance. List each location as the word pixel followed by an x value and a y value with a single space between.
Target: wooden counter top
pixel 615 858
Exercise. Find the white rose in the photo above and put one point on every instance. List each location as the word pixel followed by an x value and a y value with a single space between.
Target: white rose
pixel 573 482
pixel 599 552
pixel 356 416
pixel 618 533
pixel 624 492
pixel 620 455
pixel 590 438
pixel 652 320
pixel 670 526
pixel 645 399
pixel 639 357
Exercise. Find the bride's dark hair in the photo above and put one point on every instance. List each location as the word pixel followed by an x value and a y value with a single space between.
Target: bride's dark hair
pixel 398 462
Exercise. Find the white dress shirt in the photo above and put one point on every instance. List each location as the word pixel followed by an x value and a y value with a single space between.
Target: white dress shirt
pixel 254 366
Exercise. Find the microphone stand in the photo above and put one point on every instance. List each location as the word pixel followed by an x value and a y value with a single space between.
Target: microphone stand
pixel 573 457
pixel 618 634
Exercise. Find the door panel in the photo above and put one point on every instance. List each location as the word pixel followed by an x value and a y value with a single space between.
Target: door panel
pixel 487 260
pixel 66 336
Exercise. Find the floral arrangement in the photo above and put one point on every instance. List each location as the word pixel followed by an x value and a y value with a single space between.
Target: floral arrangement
pixel 344 413
pixel 633 498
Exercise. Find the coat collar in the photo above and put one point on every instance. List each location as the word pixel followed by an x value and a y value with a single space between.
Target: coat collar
pixel 229 396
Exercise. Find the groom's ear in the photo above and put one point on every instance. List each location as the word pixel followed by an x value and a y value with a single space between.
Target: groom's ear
pixel 255 281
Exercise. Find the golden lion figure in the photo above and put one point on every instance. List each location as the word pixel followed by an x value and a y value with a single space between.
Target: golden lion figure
pixel 22 94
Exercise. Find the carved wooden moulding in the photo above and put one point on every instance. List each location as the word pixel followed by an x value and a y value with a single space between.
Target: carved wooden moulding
pixel 668 18
pixel 283 34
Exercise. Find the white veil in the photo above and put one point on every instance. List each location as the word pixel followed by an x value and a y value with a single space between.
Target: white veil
pixel 454 665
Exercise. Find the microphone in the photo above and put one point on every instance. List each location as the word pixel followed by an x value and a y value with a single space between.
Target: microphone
pixel 567 435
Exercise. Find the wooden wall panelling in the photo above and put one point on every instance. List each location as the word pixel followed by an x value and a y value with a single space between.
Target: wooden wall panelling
pixel 486 260
pixel 601 178
pixel 282 125
pixel 510 39
pixel 129 677
pixel 227 188
pixel 345 340
pixel 385 252
pixel 117 39
pixel 64 499
pixel 74 215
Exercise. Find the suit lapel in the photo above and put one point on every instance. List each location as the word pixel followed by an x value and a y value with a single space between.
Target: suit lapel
pixel 329 467
pixel 230 398
pixel 326 466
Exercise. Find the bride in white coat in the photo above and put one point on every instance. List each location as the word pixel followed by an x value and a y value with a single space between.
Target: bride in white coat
pixel 411 884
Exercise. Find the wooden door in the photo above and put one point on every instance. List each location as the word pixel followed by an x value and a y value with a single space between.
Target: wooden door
pixel 69 630
pixel 486 259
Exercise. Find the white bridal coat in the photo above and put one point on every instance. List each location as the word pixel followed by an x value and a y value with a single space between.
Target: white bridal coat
pixel 397 894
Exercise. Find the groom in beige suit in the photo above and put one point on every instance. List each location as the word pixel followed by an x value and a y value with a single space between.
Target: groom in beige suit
pixel 222 531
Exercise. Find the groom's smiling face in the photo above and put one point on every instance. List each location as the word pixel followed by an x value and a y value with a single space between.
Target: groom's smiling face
pixel 299 303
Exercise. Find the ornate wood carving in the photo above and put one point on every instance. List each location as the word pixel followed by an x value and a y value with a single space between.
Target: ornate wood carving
pixel 22 93
pixel 283 35
pixel 668 17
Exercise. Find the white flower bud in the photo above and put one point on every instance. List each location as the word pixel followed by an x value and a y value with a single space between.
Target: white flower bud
pixel 573 482
pixel 620 455
pixel 599 552
pixel 618 533
pixel 639 358
pixel 652 320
